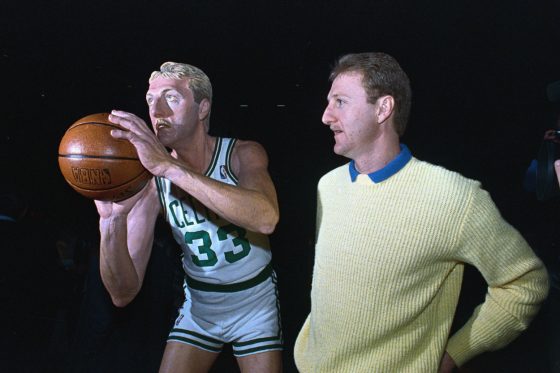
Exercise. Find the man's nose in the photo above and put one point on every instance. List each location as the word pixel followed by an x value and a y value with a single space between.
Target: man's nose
pixel 160 109
pixel 327 117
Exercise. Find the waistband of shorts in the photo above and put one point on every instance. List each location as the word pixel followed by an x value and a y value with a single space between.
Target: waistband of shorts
pixel 230 288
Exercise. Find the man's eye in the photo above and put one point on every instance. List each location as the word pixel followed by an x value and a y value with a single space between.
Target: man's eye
pixel 339 102
pixel 149 100
pixel 171 98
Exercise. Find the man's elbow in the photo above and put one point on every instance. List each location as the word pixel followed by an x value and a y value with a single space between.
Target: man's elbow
pixel 121 301
pixel 267 226
pixel 267 229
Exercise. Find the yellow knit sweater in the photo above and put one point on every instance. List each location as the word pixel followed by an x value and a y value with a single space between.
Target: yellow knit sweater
pixel 388 270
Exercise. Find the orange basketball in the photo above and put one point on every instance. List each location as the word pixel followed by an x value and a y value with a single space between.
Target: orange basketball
pixel 96 164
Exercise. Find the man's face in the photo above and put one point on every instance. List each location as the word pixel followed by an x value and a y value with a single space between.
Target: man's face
pixel 173 111
pixel 351 117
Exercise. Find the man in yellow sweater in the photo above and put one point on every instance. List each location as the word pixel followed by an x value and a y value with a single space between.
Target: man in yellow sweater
pixel 393 236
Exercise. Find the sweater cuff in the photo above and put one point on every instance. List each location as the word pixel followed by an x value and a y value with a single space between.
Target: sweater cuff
pixel 482 333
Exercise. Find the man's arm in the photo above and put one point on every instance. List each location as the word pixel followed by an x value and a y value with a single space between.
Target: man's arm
pixel 252 204
pixel 517 280
pixel 127 233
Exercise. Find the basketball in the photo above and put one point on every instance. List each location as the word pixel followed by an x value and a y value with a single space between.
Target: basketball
pixel 97 165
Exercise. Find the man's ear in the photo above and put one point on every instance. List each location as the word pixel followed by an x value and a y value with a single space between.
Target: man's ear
pixel 203 109
pixel 385 108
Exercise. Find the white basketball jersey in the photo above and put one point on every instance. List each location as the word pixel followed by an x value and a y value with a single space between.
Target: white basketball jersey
pixel 215 250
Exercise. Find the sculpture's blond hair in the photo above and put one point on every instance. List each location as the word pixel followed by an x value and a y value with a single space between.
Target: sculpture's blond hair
pixel 197 81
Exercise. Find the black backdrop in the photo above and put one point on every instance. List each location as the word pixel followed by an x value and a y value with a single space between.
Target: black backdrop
pixel 478 69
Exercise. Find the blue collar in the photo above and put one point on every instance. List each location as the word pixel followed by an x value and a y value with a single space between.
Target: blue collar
pixel 389 170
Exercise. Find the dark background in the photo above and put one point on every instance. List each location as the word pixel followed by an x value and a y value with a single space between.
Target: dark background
pixel 478 69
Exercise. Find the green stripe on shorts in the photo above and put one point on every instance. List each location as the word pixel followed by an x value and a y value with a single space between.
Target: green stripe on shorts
pixel 195 334
pixel 230 288
pixel 194 343
pixel 255 341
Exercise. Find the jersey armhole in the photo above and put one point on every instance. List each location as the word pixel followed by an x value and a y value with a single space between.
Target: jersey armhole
pixel 229 169
pixel 159 185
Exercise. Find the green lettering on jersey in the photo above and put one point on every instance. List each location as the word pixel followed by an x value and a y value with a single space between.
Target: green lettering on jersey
pixel 185 214
pixel 210 258
pixel 194 209
pixel 240 240
pixel 173 204
pixel 204 249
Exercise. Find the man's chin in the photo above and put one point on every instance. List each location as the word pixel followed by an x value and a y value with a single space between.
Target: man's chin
pixel 338 150
pixel 164 140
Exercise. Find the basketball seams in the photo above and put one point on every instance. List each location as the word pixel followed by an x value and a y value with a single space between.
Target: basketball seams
pixel 109 157
pixel 97 165
pixel 115 126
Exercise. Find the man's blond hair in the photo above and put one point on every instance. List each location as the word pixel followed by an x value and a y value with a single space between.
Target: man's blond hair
pixel 197 81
